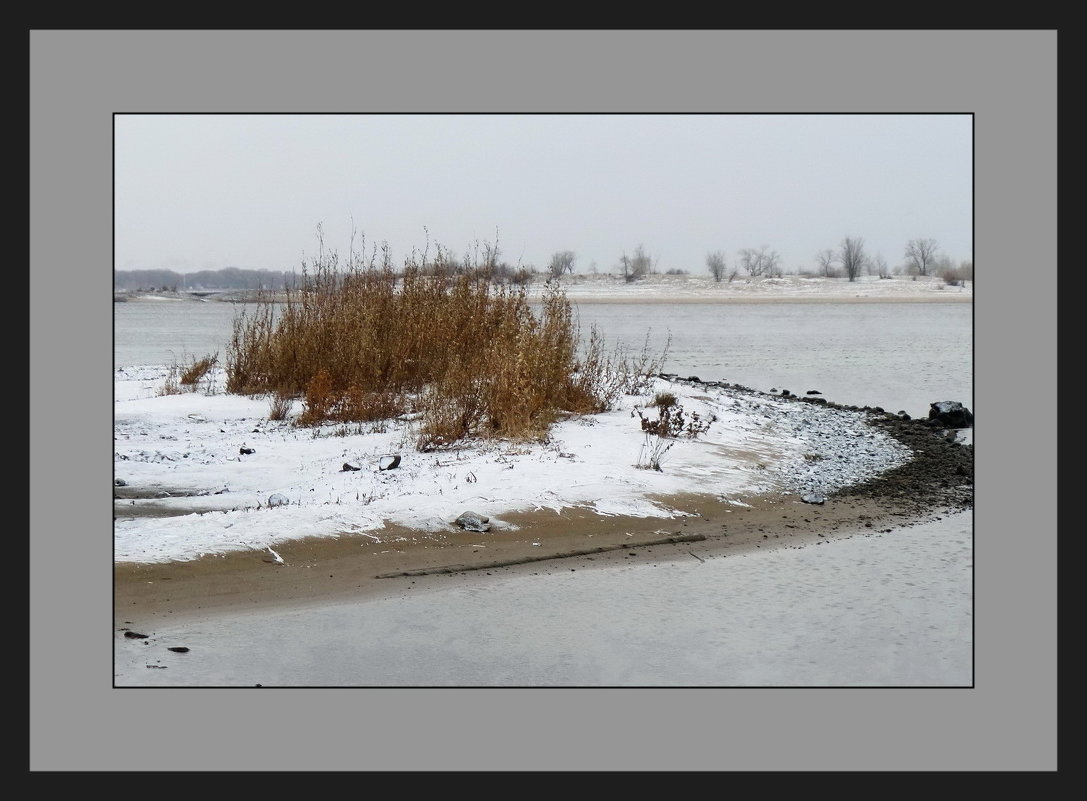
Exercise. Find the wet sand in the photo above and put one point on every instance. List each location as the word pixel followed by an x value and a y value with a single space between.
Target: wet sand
pixel 355 567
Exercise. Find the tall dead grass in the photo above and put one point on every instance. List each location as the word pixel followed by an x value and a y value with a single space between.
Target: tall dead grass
pixel 465 351
pixel 198 369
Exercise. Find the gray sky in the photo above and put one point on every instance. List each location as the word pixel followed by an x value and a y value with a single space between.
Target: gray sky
pixel 197 192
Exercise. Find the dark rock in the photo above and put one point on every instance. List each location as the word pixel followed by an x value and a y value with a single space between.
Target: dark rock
pixel 694 379
pixel 120 482
pixel 473 521
pixel 389 462
pixel 951 414
pixel 132 635
pixel 347 466
pixel 245 451
pixel 785 393
pixel 903 415
pixel 178 649
pixel 813 392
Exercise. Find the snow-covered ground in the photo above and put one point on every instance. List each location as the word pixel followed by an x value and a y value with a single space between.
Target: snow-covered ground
pixel 183 454
pixel 661 288
pixel 694 287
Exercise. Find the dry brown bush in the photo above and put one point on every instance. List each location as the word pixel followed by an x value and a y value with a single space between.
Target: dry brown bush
pixel 467 352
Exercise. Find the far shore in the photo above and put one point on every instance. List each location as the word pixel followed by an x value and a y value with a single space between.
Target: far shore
pixel 671 289
pixel 656 296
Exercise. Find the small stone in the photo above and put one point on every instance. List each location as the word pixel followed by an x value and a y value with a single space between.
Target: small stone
pixel 245 451
pixel 349 466
pixel 120 482
pixel 133 635
pixel 473 521
pixel 813 497
pixel 178 649
pixel 278 500
pixel 389 462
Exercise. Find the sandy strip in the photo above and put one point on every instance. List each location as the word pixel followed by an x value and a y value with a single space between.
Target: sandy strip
pixel 320 570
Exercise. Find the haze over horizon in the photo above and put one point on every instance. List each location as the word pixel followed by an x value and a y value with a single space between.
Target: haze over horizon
pixel 211 191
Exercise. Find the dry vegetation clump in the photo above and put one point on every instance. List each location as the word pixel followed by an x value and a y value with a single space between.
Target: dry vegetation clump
pixel 171 386
pixel 672 422
pixel 462 348
pixel 198 369
pixel 279 406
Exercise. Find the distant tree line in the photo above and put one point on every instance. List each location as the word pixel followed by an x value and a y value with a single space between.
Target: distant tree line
pixel 849 260
pixel 922 257
pixel 227 278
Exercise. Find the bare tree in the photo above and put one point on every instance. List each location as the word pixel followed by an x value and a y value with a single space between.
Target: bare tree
pixel 826 259
pixel 760 262
pixel 716 263
pixel 637 266
pixel 750 261
pixel 851 255
pixel 878 264
pixel 921 254
pixel 562 262
pixel 772 264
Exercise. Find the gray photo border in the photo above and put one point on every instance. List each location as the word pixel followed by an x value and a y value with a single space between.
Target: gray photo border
pixel 79 79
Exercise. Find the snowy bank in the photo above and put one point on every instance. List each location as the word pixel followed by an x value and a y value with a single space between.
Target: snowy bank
pixel 691 288
pixel 658 288
pixel 194 472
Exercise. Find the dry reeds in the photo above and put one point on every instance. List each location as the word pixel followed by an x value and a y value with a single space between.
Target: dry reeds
pixel 198 369
pixel 463 350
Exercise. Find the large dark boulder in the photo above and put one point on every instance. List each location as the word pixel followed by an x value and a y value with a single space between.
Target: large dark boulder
pixel 951 414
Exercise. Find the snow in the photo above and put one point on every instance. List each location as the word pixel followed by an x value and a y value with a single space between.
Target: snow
pixel 181 454
pixel 660 288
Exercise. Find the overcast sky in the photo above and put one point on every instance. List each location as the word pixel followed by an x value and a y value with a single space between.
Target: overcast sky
pixel 196 192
